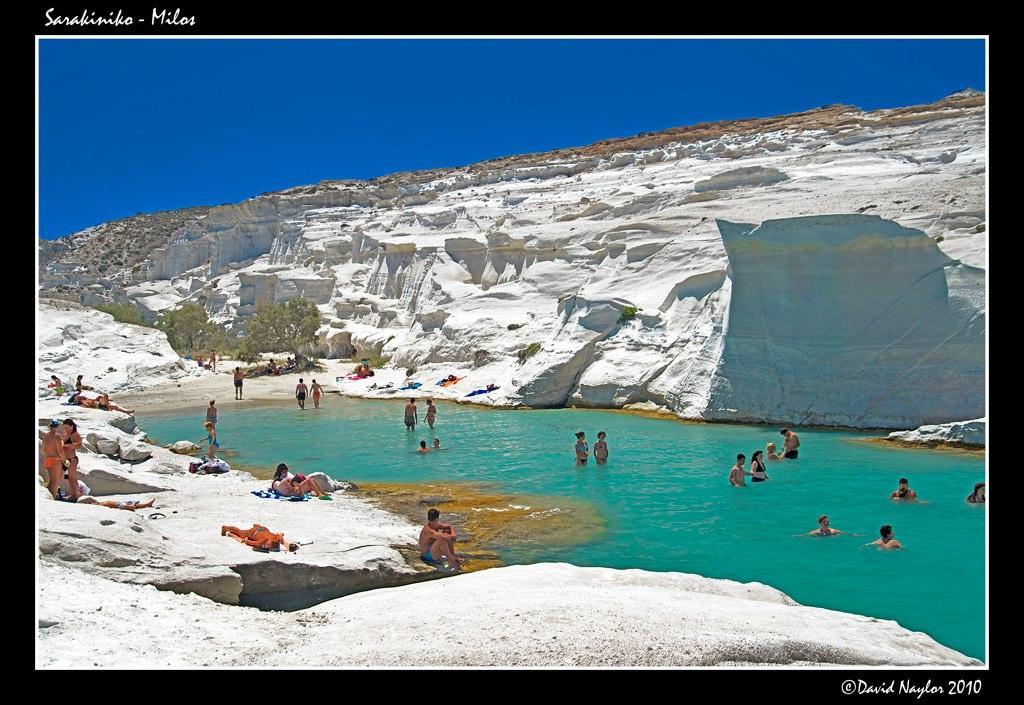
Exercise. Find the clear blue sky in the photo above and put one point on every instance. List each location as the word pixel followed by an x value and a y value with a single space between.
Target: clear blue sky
pixel 146 125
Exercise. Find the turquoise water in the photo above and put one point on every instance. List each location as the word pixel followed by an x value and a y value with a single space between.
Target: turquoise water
pixel 666 499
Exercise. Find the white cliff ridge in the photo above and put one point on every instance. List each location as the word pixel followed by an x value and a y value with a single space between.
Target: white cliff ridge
pixel 820 268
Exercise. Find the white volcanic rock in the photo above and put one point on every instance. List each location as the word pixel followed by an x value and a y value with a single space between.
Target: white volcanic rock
pixel 550 614
pixel 965 433
pixel 77 340
pixel 827 268
pixel 183 447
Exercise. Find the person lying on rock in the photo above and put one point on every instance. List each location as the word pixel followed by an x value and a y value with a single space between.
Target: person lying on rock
pixel 102 402
pixel 259 537
pixel 303 485
pixel 437 541
pixel 130 504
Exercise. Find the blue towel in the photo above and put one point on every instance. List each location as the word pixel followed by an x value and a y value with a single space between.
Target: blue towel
pixel 414 385
pixel 482 391
pixel 274 494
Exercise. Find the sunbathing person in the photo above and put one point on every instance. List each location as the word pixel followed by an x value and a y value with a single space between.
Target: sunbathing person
pixel 280 483
pixel 102 402
pixel 437 541
pixel 259 537
pixel 130 504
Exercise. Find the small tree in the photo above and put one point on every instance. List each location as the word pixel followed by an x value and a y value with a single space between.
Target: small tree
pixel 289 326
pixel 189 329
pixel 123 313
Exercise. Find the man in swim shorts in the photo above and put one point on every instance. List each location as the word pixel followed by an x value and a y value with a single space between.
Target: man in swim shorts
pixel 582 450
pixel 888 540
pixel 53 456
pixel 903 492
pixel 737 475
pixel 411 416
pixel 790 445
pixel 300 393
pixel 601 449
pixel 437 541
pixel 239 376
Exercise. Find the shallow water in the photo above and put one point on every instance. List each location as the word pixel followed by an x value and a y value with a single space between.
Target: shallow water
pixel 665 498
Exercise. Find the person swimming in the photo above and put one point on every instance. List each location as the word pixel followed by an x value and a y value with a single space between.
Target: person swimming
pixel 975 497
pixel 437 444
pixel 903 492
pixel 423 447
pixel 888 540
pixel 824 529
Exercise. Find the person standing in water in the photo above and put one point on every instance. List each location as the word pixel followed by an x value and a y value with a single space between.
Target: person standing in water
pixel 316 391
pixel 772 454
pixel 239 377
pixel 211 413
pixel 211 437
pixel 601 449
pixel 411 415
pixel 737 475
pixel 888 540
pixel 431 413
pixel 300 393
pixel 757 469
pixel 582 450
pixel 790 445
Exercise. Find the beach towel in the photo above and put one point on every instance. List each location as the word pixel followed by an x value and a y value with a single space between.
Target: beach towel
pixel 482 391
pixel 450 382
pixel 274 494
pixel 414 385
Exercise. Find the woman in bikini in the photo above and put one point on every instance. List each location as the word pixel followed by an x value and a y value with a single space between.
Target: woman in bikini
pixel 757 469
pixel 130 504
pixel 316 391
pixel 259 537
pixel 72 442
pixel 103 403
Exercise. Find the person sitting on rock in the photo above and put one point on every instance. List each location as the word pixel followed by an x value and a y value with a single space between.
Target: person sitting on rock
pixel 82 387
pixel 129 504
pixel 280 483
pixel 56 385
pixel 259 537
pixel 437 541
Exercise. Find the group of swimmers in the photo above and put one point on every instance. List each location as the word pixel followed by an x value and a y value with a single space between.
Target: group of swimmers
pixel 582 451
pixel 758 472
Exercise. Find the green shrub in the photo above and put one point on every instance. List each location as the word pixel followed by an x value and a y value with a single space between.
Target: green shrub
pixel 528 352
pixel 122 313
pixel 628 314
pixel 287 327
pixel 189 330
